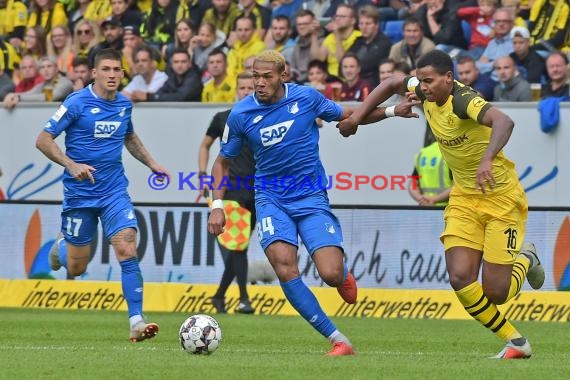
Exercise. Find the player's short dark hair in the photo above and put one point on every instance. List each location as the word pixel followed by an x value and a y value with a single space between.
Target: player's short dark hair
pixel 111 54
pixel 439 60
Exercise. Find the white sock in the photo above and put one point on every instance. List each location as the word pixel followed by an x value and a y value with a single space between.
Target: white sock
pixel 135 319
pixel 337 337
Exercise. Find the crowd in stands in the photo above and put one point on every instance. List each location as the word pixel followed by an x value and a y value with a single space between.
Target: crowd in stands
pixel 193 50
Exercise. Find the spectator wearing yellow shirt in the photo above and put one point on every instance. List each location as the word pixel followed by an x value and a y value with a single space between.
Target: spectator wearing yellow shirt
pixel 98 11
pixel 13 21
pixel 222 15
pixel 47 13
pixel 192 9
pixel 247 44
pixel 221 88
pixel 549 25
pixel 159 25
pixel 259 14
pixel 9 58
pixel 342 36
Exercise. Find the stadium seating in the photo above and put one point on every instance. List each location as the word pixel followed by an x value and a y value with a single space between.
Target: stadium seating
pixel 394 30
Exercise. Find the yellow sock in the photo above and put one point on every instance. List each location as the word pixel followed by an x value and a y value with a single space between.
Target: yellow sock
pixel 520 268
pixel 483 310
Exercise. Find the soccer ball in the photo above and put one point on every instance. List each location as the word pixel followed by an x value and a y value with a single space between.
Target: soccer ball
pixel 200 334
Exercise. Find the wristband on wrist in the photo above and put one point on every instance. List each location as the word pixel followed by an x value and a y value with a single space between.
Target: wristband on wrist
pixel 217 203
pixel 390 111
pixel 202 173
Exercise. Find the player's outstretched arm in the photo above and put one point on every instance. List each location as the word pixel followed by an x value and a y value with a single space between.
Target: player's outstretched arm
pixel 403 109
pixel 136 148
pixel 387 88
pixel 46 144
pixel 217 219
pixel 501 129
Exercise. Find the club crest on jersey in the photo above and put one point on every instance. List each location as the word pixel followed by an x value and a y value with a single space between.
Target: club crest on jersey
pixel 122 113
pixel 275 133
pixel 293 108
pixel 105 129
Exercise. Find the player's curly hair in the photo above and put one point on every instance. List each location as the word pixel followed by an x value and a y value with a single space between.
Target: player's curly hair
pixel 439 60
pixel 272 56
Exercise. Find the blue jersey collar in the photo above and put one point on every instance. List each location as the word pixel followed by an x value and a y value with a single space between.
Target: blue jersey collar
pixel 90 87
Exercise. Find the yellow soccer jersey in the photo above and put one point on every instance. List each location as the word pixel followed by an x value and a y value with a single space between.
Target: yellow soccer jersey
pixel 9 58
pixel 224 93
pixel 98 10
pixel 463 139
pixel 330 43
pixel 15 14
pixel 49 18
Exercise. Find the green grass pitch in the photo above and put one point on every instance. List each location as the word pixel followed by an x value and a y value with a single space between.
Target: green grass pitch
pixel 53 344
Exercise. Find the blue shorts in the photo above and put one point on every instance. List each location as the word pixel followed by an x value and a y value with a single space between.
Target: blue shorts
pixel 310 218
pixel 80 217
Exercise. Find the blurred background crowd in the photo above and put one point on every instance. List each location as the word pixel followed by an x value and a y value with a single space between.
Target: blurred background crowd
pixel 193 50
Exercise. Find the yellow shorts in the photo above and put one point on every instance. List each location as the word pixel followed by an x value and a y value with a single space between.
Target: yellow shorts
pixel 493 224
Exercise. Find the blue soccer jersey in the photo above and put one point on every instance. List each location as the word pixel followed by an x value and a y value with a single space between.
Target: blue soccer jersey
pixel 95 130
pixel 284 137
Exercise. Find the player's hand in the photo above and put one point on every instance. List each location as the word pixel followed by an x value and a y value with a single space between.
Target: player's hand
pixel 81 172
pixel 347 127
pixel 411 96
pixel 485 178
pixel 216 221
pixel 161 173
pixel 205 191
pixel 404 109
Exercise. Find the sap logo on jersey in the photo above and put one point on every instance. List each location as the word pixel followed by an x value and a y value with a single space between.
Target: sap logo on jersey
pixel 275 133
pixel 104 129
